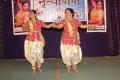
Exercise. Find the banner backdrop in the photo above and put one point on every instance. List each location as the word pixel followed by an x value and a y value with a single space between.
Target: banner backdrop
pixel 53 10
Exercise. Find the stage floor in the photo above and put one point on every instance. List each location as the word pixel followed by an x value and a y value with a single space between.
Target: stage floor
pixel 100 68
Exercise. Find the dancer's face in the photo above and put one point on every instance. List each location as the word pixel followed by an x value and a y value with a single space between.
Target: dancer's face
pixel 25 7
pixel 99 5
pixel 68 14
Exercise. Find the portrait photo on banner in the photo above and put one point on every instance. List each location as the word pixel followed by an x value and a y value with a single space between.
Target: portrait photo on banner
pixel 96 16
pixel 20 13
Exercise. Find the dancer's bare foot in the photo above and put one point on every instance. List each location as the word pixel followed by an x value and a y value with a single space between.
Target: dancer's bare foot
pixel 68 68
pixel 38 69
pixel 75 68
pixel 34 71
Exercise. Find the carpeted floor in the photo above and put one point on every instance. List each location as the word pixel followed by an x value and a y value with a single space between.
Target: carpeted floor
pixel 101 68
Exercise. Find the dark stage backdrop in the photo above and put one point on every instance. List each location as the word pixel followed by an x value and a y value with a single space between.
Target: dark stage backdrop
pixel 92 44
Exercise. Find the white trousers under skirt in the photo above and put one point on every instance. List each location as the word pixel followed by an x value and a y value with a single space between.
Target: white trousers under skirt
pixel 71 54
pixel 34 52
